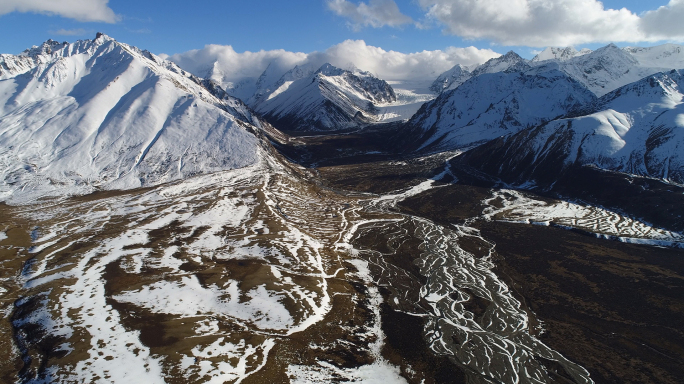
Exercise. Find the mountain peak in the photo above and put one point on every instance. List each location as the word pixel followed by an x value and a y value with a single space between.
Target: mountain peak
pixel 450 79
pixel 511 61
pixel 103 37
pixel 328 69
pixel 609 48
pixel 45 48
pixel 512 55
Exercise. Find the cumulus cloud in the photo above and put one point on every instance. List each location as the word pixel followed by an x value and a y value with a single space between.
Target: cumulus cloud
pixel 387 65
pixel 376 13
pixel 535 22
pixel 392 65
pixel 665 23
pixel 81 10
pixel 233 65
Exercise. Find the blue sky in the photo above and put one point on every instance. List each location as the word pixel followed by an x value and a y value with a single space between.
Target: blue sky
pixel 300 26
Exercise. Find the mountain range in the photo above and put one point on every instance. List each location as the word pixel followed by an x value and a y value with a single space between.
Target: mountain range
pixel 514 221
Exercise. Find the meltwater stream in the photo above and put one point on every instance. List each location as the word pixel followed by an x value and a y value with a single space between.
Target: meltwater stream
pixel 471 315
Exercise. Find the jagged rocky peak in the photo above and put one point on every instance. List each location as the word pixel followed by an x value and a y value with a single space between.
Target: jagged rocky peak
pixel 510 62
pixel 47 48
pixel 459 74
pixel 559 53
pixel 451 79
pixel 328 69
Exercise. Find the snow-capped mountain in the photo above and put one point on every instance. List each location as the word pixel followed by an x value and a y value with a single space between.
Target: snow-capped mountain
pixel 327 99
pixel 602 70
pixel 451 79
pixel 636 129
pixel 495 104
pixel 270 83
pixel 510 62
pixel 12 65
pixel 103 114
pixel 661 56
pixel 610 67
pixel 559 53
pixel 476 106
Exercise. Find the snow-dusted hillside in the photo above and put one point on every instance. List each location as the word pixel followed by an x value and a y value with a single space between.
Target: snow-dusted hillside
pixel 637 129
pixel 495 104
pixel 327 99
pixel 102 114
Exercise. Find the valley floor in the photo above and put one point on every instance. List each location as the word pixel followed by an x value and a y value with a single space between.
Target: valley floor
pixel 362 266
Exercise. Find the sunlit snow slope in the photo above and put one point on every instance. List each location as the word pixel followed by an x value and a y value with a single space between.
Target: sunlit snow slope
pixel 637 129
pixel 495 104
pixel 99 114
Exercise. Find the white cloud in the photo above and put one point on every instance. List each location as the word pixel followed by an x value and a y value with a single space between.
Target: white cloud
pixel 387 65
pixel 665 23
pixel 236 66
pixel 376 13
pixel 535 23
pixel 81 10
pixel 392 65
